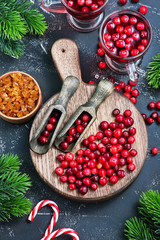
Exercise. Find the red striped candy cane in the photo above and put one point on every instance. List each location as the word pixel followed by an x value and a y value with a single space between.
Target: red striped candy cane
pixel 54 219
pixel 63 231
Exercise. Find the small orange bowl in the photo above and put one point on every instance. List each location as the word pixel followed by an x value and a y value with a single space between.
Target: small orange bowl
pixel 27 117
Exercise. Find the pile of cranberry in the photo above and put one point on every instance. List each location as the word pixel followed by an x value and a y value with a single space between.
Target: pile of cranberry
pixel 154 116
pixel 75 131
pixel 85 5
pixel 50 127
pixel 105 153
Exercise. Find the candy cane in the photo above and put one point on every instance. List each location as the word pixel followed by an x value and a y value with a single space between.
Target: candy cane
pixel 54 219
pixel 63 231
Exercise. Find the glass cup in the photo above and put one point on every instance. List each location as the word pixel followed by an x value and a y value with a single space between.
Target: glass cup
pixel 80 21
pixel 125 65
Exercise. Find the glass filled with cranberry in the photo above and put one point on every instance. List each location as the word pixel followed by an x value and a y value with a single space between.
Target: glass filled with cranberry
pixel 125 37
pixel 82 15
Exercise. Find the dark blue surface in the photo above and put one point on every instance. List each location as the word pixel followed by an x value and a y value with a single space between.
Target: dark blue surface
pixel 95 221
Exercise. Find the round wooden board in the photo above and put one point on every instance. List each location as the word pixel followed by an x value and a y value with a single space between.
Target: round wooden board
pixel 45 164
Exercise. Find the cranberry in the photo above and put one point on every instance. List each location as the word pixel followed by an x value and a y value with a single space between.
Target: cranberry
pixel 140 26
pixel 143 10
pixel 71 179
pixel 72 131
pixel 100 51
pixel 49 127
pixel 53 121
pixel 85 117
pixel 151 105
pixel 114 150
pixel 69 139
pixel 79 167
pixel 144 41
pixel 122 162
pixel 158 119
pixel 113 141
pixel 86 181
pixel 133 152
pixel 128 46
pixel 75 170
pixel 119 29
pixel 128 30
pixel 107 37
pixel 103 181
pixel 127 94
pixel 116 20
pixel 83 190
pixel 128 121
pixel 129 159
pixel 144 116
pixel 70 3
pixel 113 179
pixel 122 140
pixel 109 172
pixel 92 146
pixel 122 36
pixel 127 88
pixel 105 140
pixel 127 146
pixel 158 105
pixel 154 115
pixel 117 133
pixel 78 121
pixel 133 20
pixel 134 52
pixel 132 131
pixel 131 139
pixel 102 172
pixel 117 88
pixel 80 2
pixel 115 36
pixel 108 133
pixel 91 82
pixel 125 134
pixel 94 7
pixel 99 135
pixel 133 100
pixel 64 164
pixel 113 125
pixel 63 178
pixel 135 1
pixel 60 157
pixel 149 120
pixel 123 2
pixel 122 85
pixel 42 140
pixel 114 51
pixel 135 92
pixel 121 125
pixel 113 161
pixel 85 142
pixel 123 53
pixel 120 43
pixel 102 65
pixel 64 145
pixel 73 164
pixel 94 186
pixel 87 152
pixel 110 25
pixel 86 171
pixel 69 156
pixel 112 79
pixel 106 165
pixel 124 19
pixel 133 83
pixel 121 173
pixel 80 152
pixel 131 166
pixel 155 150
pixel 119 118
pixel 109 44
pixel 124 153
pixel 141 48
pixel 45 133
pixel 144 34
pixel 136 36
pixel 79 175
pixel 116 112
pixel 59 171
pixel 79 129
pixel 127 113
pixel 79 159
pixel 104 125
pixel 129 40
pixel 97 153
pixel 88 2
pixel 116 168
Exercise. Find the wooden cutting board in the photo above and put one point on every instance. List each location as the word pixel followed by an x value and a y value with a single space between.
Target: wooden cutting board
pixel 66 58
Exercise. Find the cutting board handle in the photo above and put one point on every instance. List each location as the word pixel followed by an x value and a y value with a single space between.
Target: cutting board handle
pixel 66 58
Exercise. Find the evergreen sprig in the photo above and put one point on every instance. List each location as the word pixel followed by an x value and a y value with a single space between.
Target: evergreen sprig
pixel 153 71
pixel 13 186
pixel 17 18
pixel 150 210
pixel 136 229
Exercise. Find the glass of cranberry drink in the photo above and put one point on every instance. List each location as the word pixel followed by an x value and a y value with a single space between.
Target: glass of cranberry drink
pixel 82 15
pixel 125 37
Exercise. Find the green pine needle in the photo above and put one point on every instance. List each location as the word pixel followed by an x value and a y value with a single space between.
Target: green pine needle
pixel 136 229
pixel 153 71
pixel 11 47
pixel 13 186
pixel 150 210
pixel 17 18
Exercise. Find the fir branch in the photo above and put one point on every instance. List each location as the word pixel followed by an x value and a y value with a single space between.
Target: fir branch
pixel 150 210
pixel 136 229
pixel 14 48
pixel 13 186
pixel 153 71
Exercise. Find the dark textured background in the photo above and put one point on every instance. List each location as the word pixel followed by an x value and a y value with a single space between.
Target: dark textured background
pixel 101 220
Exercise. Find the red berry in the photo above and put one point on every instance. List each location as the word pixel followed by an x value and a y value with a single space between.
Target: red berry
pixel 88 2
pixel 127 94
pixel 109 44
pixel 63 178
pixel 85 142
pixel 117 88
pixel 104 125
pixel 83 190
pixel 134 52
pixel 70 3
pixel 60 157
pixel 144 41
pixel 108 133
pixel 99 135
pixel 113 141
pixel 113 125
pixel 128 121
pixel 86 171
pixel 122 162
pixel 143 10
pixel 158 105
pixel 73 164
pixel 123 53
pixel 133 100
pixel 116 112
pixel 121 173
pixel 124 153
pixel 151 105
pixel 140 26
pixel 120 43
pixel 155 150
pixel 128 30
pixel 132 131
pixel 154 115
pixel 85 117
pixel 69 139
pixel 45 133
pixel 127 88
pixel 122 36
pixel 127 113
pixel 133 152
pixel 135 92
pixel 80 2
pixel 59 171
pixel 78 121
pixel 94 7
pixel 127 146
pixel 121 125
pixel 103 181
pixel 71 179
pixel 112 79
pixel 149 120
pixel 94 186
pixel 115 36
pixel 72 131
pixel 91 82
pixel 129 40
pixel 125 134
pixel 79 129
pixel 42 140
pixel 158 119
pixel 114 150
pixel 124 19
pixel 133 20
pixel 87 152
pixel 86 181
pixel 129 159
pixel 144 116
pixel 64 145
pixel 122 84
pixel 102 172
pixel 131 166
pixel 113 161
pixel 53 121
pixel 116 20
pixel 69 156
pixel 123 2
pixel 113 179
pixel 64 164
pixel 49 127
pixel 109 172
pixel 144 34
pixel 102 65
pixel 100 52
pixel 119 118
pixel 117 133
pixel 136 36
pixel 119 29
pixel 131 139
pixel 110 25
pixel 71 186
pixel 107 37
pixel 141 48
pixel 122 140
